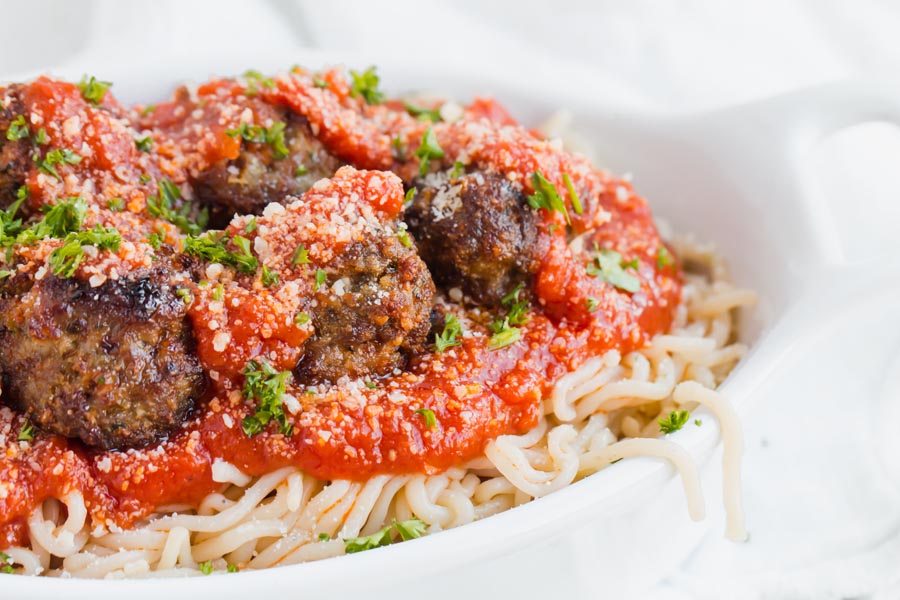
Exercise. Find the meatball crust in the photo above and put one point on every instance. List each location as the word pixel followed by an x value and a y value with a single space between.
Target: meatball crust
pixel 377 318
pixel 246 184
pixel 15 155
pixel 112 365
pixel 475 232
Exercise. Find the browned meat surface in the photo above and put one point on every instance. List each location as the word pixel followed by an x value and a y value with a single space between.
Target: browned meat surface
pixel 112 365
pixel 261 174
pixel 475 232
pixel 376 318
pixel 15 154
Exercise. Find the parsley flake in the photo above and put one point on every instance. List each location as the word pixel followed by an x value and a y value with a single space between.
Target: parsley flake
pixel 300 256
pixel 674 422
pixel 206 567
pixel 162 205
pixel 213 246
pixel 403 236
pixel 269 278
pixel 545 196
pixel 115 204
pixel 257 134
pixel 573 195
pixel 18 129
pixel 144 144
pixel 93 90
pixel 428 415
pixel 59 156
pixel 232 568
pixel 302 318
pixel 423 113
pixel 449 337
pixel 267 386
pixel 608 265
pixel 428 149
pixel 407 530
pixel 6 564
pixel 592 304
pixel 365 85
pixel 65 259
pixel 506 330
pixel 663 257
pixel 324 537
pixel 26 433
pixel 320 278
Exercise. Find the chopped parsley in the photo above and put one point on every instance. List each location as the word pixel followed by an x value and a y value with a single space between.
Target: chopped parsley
pixel 407 530
pixel 428 415
pixel 186 296
pixel 365 85
pixel 213 246
pixel 320 278
pixel 269 278
pixel 257 134
pixel 302 318
pixel 608 265
pixel 251 225
pixel 449 337
pixel 663 257
pixel 162 206
pixel 428 149
pixel 324 537
pixel 26 433
pixel 144 144
pixel 92 89
pixel 6 564
pixel 41 137
pixel 206 567
pixel 148 109
pixel 545 196
pixel 633 264
pixel 65 259
pixel 115 204
pixel 59 156
pixel 371 385
pixel 4 273
pixel 698 422
pixel 18 129
pixel 219 293
pixel 156 238
pixel 573 195
pixel 267 386
pixel 458 170
pixel 301 170
pixel 254 79
pixel 506 330
pixel 674 422
pixel 591 304
pixel 410 195
pixel 320 83
pixel 398 148
pixel 403 236
pixel 300 256
pixel 422 113
pixel 232 568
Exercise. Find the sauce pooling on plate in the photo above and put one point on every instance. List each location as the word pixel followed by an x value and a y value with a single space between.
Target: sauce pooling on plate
pixel 331 334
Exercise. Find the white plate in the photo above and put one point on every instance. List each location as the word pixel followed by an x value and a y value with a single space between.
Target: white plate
pixel 731 177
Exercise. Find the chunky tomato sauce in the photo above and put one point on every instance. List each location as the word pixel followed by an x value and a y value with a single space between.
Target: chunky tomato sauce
pixel 354 429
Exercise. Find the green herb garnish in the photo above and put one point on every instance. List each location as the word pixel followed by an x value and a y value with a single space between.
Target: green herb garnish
pixel 93 90
pixel 663 257
pixel 65 259
pixel 162 205
pixel 407 530
pixel 573 195
pixel 545 196
pixel 365 85
pixel 213 246
pixel 267 386
pixel 428 415
pixel 144 144
pixel 18 129
pixel 674 422
pixel 269 278
pixel 26 433
pixel 320 278
pixel 59 156
pixel 422 113
pixel 449 337
pixel 608 265
pixel 428 149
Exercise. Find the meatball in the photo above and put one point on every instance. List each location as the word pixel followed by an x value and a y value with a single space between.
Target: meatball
pixel 378 317
pixel 112 365
pixel 475 232
pixel 15 158
pixel 258 176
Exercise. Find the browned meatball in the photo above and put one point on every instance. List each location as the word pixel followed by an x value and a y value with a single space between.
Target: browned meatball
pixel 112 365
pixel 374 318
pixel 258 176
pixel 15 157
pixel 475 232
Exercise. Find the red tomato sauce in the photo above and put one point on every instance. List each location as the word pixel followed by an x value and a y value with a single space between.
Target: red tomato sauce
pixel 349 430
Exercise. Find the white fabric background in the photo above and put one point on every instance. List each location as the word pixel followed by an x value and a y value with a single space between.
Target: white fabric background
pixel 822 482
